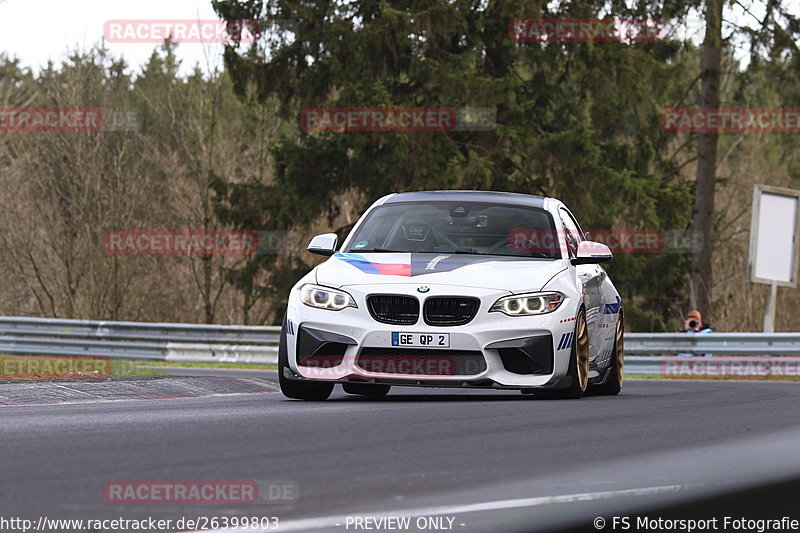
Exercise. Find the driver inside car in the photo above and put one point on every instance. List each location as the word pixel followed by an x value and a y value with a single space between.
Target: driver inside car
pixel 525 236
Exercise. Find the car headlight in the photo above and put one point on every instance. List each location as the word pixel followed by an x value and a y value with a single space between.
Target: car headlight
pixel 537 303
pixel 325 298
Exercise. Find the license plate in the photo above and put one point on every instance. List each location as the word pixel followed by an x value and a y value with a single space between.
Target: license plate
pixel 421 340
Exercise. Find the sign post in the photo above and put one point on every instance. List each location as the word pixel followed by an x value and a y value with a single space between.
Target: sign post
pixel 774 229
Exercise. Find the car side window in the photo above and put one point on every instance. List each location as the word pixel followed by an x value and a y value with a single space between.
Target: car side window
pixel 571 232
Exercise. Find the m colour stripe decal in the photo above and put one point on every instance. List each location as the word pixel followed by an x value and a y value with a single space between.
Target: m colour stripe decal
pixel 412 264
pixel 612 309
pixel 566 341
pixel 368 267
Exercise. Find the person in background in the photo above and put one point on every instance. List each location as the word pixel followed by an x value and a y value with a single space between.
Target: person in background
pixel 694 324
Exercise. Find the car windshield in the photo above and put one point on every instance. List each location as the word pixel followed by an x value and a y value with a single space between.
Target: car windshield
pixel 469 228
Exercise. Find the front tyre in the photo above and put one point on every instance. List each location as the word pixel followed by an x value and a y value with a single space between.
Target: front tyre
pixel 578 370
pixel 297 390
pixel 613 383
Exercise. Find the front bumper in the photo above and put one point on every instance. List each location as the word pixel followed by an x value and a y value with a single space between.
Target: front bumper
pixel 492 351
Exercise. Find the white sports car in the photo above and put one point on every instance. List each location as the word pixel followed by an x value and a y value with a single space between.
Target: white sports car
pixel 455 289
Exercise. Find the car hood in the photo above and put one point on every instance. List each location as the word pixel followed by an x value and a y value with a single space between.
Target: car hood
pixel 511 274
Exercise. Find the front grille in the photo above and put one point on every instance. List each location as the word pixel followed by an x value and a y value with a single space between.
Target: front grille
pixel 405 361
pixel 450 310
pixel 391 309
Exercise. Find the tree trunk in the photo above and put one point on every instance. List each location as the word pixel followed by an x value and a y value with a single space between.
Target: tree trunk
pixel 703 215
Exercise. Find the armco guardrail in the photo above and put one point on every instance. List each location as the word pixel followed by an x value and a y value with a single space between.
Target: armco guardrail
pixel 646 353
pixel 714 343
pixel 138 340
pixel 139 331
pixel 754 354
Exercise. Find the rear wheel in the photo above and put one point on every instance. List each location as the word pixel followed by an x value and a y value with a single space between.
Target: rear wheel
pixel 578 370
pixel 366 389
pixel 613 383
pixel 297 390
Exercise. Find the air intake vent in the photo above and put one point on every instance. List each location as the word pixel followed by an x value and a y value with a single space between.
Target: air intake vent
pixel 450 310
pixel 420 361
pixel 391 309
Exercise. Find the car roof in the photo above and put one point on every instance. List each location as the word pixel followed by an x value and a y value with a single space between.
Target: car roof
pixel 490 197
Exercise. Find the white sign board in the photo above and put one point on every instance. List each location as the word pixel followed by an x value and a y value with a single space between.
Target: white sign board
pixel 773 236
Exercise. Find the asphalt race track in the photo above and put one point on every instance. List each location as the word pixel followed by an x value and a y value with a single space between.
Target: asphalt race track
pixel 492 461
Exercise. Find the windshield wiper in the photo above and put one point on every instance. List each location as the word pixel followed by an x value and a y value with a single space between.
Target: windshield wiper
pixel 469 252
pixel 386 250
pixel 378 251
pixel 538 255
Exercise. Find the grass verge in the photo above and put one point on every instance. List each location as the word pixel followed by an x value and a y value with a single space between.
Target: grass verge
pixel 35 367
pixel 187 364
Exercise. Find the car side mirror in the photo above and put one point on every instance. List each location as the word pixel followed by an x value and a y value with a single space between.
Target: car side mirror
pixel 592 253
pixel 324 244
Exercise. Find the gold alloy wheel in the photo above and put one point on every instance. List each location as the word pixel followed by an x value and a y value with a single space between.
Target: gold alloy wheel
pixel 582 352
pixel 619 343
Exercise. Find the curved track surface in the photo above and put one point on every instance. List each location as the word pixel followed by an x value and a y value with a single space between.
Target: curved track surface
pixel 491 460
